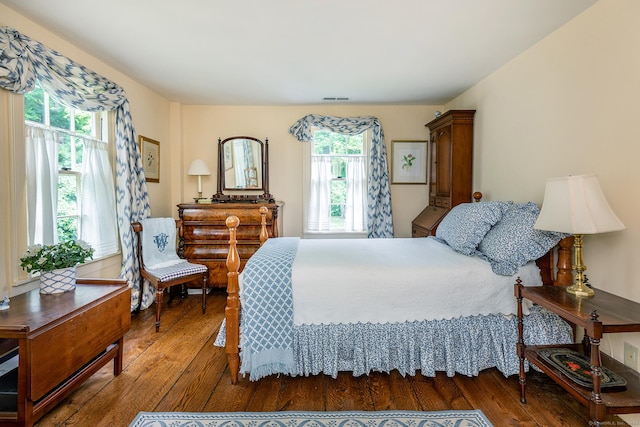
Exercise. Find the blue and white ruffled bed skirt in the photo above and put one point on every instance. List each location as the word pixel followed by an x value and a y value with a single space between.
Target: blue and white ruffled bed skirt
pixel 463 346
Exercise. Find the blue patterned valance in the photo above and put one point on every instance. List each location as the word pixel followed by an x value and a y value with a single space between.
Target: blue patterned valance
pixel 379 219
pixel 22 61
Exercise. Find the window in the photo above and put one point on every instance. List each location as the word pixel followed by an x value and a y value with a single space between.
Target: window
pixel 336 199
pixel 70 188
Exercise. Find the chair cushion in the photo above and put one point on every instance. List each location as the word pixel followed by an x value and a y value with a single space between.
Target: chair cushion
pixel 176 271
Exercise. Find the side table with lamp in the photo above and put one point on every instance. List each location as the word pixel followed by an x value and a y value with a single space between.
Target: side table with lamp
pixel 576 205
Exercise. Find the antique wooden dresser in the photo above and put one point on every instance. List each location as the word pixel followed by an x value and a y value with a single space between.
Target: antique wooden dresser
pixel 205 237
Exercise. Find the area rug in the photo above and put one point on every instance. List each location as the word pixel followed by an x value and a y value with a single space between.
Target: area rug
pixel 312 419
pixel 577 367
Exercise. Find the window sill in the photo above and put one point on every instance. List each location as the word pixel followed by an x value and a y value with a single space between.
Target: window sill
pixel 108 266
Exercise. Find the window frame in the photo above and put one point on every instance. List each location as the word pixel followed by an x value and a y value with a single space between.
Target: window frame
pixel 306 175
pixel 99 132
pixel 17 243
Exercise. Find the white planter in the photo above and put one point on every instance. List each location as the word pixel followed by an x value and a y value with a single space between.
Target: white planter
pixel 58 281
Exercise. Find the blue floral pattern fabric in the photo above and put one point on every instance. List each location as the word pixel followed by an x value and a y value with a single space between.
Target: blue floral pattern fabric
pixel 513 241
pixel 466 224
pixel 22 61
pixel 379 219
pixel 465 345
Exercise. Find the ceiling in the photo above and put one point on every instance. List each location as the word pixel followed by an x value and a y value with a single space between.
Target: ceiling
pixel 288 52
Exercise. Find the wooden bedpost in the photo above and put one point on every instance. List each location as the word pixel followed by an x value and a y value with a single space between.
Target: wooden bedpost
pixel 564 275
pixel 557 270
pixel 263 229
pixel 232 311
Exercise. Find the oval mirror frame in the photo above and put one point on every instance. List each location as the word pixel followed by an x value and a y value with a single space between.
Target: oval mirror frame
pixel 243 165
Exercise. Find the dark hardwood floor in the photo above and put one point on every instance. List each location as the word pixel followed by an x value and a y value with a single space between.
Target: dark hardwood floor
pixel 179 369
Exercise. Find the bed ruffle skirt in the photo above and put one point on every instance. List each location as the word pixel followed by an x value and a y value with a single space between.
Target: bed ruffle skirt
pixel 463 346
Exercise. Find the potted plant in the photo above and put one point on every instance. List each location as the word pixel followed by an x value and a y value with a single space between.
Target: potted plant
pixel 56 264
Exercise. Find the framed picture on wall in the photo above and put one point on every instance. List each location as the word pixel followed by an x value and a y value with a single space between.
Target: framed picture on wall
pixel 150 152
pixel 409 162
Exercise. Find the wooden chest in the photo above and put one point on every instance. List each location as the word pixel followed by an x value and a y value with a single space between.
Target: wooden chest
pixel 205 237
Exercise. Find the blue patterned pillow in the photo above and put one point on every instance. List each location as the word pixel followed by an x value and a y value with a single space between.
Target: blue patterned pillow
pixel 513 241
pixel 464 227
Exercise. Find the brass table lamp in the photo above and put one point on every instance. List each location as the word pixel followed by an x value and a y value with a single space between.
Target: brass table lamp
pixel 576 205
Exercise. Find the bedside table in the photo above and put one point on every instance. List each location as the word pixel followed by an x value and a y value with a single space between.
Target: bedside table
pixel 603 313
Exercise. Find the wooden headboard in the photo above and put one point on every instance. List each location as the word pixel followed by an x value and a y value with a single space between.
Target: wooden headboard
pixel 555 266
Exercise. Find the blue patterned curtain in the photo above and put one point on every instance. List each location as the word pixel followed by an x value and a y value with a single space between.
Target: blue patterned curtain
pixel 379 219
pixel 22 61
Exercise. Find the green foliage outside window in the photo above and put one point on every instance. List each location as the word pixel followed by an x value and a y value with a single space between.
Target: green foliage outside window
pixel 59 115
pixel 69 153
pixel 338 146
pixel 67 207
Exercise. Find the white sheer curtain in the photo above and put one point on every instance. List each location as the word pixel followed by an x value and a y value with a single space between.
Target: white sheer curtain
pixel 379 218
pixel 356 202
pixel 319 194
pixel 98 217
pixel 22 61
pixel 42 185
pixel 239 163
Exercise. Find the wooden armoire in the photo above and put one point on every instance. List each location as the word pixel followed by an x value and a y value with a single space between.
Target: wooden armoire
pixel 451 171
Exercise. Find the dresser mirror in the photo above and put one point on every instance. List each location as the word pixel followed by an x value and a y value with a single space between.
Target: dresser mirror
pixel 243 170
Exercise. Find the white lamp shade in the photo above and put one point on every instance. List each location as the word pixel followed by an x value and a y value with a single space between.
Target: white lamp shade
pixel 576 205
pixel 198 167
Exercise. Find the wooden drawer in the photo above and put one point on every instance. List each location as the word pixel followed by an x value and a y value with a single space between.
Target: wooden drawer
pixel 417 231
pixel 220 215
pixel 443 202
pixel 427 221
pixel 196 251
pixel 198 231
pixel 218 272
pixel 205 236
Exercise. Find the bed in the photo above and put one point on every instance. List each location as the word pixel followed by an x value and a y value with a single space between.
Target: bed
pixel 441 303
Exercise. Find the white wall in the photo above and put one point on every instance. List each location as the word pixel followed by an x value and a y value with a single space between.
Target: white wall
pixel 203 125
pixel 570 105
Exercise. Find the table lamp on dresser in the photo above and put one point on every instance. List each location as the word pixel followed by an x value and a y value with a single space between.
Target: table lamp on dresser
pixel 199 168
pixel 576 205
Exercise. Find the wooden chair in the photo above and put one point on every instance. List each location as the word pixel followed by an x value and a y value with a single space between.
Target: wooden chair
pixel 169 276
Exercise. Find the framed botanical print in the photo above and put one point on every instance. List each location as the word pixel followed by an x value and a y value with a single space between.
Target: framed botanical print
pixel 409 162
pixel 150 152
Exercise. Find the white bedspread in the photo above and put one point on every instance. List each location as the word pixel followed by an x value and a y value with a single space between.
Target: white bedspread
pixel 396 280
